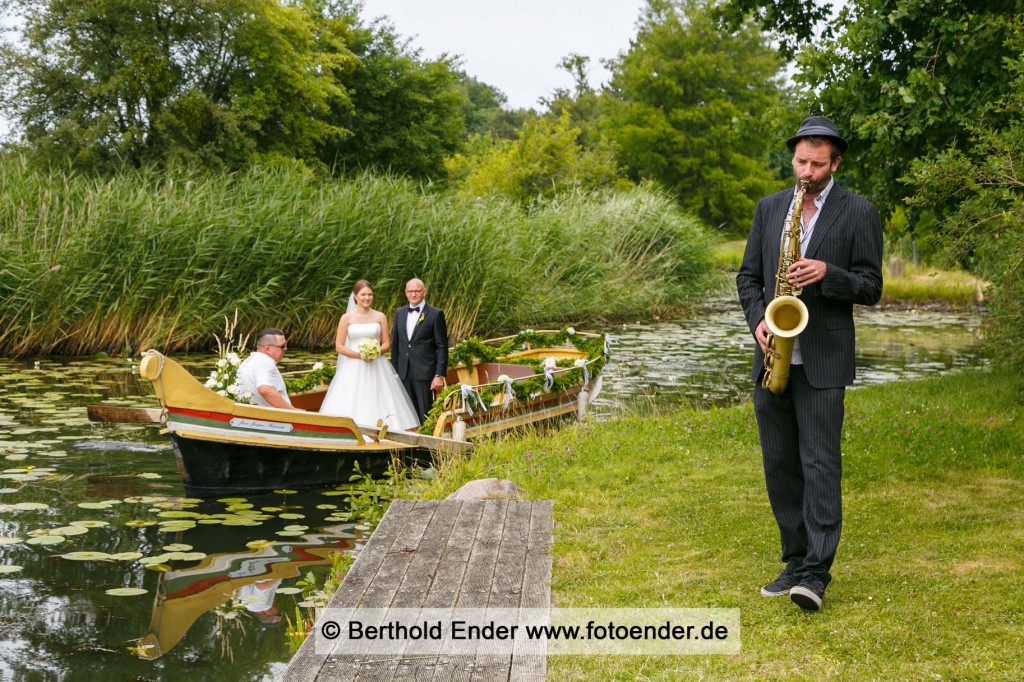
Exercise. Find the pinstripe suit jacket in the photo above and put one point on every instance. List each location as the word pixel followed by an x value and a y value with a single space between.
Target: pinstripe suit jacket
pixel 848 238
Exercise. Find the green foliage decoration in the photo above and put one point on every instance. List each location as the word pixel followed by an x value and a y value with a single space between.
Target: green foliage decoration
pixel 473 351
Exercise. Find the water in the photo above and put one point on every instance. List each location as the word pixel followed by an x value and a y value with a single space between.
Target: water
pixel 56 620
pixel 707 359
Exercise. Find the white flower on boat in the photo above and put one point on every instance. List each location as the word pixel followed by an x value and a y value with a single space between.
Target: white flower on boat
pixel 234 359
pixel 317 366
pixel 550 363
pixel 222 363
pixel 223 394
pixel 369 349
pixel 570 331
pixel 234 389
pixel 580 362
pixel 504 378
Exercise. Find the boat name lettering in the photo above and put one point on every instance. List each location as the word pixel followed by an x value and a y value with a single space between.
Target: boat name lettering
pixel 261 425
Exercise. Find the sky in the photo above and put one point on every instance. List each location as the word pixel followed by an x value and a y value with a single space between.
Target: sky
pixel 515 45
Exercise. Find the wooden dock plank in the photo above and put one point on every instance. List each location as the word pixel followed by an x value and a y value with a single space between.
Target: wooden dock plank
pixel 442 554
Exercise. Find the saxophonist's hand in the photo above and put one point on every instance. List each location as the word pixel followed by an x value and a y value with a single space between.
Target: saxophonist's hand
pixel 761 334
pixel 806 271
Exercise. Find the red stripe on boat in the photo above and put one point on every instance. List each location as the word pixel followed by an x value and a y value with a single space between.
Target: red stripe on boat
pixel 222 417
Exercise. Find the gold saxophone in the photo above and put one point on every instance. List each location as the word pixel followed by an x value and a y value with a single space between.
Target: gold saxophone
pixel 786 316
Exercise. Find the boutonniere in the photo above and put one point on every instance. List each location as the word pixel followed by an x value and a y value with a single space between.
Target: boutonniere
pixel 422 316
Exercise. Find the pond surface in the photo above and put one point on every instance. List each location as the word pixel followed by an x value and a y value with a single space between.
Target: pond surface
pixel 57 620
pixel 707 359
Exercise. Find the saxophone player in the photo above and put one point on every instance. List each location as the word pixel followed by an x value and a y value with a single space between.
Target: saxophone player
pixel 839 265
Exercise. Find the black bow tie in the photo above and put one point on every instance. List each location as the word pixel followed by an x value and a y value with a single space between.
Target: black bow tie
pixel 414 310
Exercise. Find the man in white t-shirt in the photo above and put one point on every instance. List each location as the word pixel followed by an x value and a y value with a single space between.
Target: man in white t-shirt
pixel 259 372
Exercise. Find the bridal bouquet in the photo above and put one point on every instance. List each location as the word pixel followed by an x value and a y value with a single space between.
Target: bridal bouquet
pixel 369 349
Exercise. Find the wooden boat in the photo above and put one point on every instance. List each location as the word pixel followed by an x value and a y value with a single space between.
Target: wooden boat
pixel 495 402
pixel 226 447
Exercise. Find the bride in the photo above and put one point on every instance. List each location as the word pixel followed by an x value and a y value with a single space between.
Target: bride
pixel 367 390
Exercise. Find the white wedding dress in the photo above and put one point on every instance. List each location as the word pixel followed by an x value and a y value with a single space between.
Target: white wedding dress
pixel 368 391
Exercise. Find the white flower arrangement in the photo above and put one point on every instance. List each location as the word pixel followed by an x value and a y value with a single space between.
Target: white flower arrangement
pixel 503 379
pixel 369 349
pixel 570 331
pixel 224 380
pixel 550 363
pixel 317 366
pixel 580 362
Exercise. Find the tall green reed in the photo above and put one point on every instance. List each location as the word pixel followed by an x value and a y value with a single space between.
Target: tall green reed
pixel 147 259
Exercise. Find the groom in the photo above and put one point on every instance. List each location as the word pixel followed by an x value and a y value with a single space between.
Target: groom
pixel 419 348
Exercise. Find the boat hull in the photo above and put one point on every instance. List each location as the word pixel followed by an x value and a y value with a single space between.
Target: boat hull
pixel 212 468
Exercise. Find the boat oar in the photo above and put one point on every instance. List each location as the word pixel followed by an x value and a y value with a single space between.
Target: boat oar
pixel 124 415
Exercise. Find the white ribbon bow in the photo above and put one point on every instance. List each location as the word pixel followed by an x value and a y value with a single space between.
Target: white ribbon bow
pixel 508 392
pixel 468 394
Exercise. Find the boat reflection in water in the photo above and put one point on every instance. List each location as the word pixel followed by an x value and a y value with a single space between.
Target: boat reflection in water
pixel 246 577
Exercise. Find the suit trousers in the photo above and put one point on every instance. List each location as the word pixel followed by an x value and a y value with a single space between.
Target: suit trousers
pixel 800 434
pixel 421 395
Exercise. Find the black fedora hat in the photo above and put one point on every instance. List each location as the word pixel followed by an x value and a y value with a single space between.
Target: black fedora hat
pixel 818 126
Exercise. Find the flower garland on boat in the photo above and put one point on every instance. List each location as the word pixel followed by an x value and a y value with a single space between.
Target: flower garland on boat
pixel 320 375
pixel 473 351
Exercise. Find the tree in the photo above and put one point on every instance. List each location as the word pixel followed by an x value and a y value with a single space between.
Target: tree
pixel 405 114
pixel 100 83
pixel 545 160
pixel 904 78
pixel 684 107
pixel 977 187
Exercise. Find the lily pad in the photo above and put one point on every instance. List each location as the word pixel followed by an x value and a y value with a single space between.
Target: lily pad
pixel 9 541
pixel 149 475
pixel 233 500
pixel 288 590
pixel 89 524
pixel 177 547
pixel 46 540
pixel 186 556
pixel 94 505
pixel 86 556
pixel 286 492
pixel 9 568
pixel 327 506
pixel 289 533
pixel 27 506
pixel 126 591
pixel 159 568
pixel 126 556
pixel 292 516
pixel 69 530
pixel 296 527
pixel 258 544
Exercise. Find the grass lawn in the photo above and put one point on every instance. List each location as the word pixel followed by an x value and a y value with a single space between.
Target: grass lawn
pixel 670 511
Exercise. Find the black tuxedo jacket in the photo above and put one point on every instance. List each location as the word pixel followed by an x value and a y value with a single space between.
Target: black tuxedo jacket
pixel 425 355
pixel 848 238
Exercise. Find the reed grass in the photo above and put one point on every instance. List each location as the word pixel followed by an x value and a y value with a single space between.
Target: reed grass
pixel 158 260
pixel 918 284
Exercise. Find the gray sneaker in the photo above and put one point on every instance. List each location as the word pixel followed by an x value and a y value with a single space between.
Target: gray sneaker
pixel 781 585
